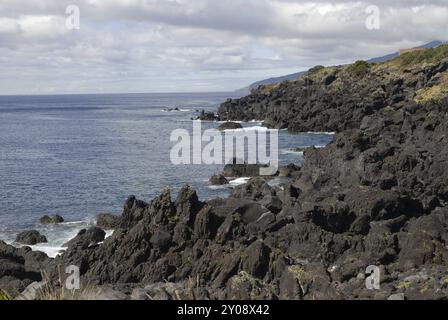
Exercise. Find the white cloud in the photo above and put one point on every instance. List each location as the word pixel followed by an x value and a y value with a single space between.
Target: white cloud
pixel 161 45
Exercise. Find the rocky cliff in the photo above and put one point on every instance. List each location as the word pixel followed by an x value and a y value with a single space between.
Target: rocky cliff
pixel 338 98
pixel 375 196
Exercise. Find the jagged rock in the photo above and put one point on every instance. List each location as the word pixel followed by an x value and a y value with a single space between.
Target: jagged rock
pixel 307 282
pixel 229 268
pixel 161 239
pixel 132 212
pixel 161 210
pixel 51 219
pixel 207 223
pixel 107 221
pixel 229 126
pixel 288 171
pixel 245 287
pixel 256 259
pixel 251 212
pixel 229 229
pixel 396 296
pixel 218 180
pixel 424 240
pixel 19 268
pixel 238 168
pixel 87 238
pixel 207 116
pixel 31 238
pixel 255 189
pixel 187 205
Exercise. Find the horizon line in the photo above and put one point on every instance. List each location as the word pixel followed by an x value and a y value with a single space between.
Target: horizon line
pixel 110 93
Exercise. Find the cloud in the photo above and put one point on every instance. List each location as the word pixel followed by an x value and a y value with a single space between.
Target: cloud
pixel 195 45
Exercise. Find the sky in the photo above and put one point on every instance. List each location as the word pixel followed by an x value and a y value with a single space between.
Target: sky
pixel 125 46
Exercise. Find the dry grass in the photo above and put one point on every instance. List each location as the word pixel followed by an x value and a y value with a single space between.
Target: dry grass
pixel 192 286
pixel 58 291
pixel 434 93
pixel 267 88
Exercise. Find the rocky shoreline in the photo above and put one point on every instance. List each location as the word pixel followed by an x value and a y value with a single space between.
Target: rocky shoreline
pixel 375 196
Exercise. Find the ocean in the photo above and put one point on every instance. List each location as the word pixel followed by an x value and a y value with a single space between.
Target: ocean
pixel 81 155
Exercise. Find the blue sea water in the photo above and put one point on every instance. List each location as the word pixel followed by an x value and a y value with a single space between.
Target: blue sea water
pixel 81 155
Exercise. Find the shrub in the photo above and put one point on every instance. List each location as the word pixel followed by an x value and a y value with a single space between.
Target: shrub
pixel 315 69
pixel 360 68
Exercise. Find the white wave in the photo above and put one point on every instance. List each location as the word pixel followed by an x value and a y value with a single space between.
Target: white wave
pixel 108 234
pixel 321 133
pixel 232 184
pixel 300 152
pixel 51 251
pixel 218 187
pixel 57 235
pixel 241 122
pixel 246 129
pixel 69 223
pixel 277 181
pixel 239 181
pixel 224 121
pixel 291 151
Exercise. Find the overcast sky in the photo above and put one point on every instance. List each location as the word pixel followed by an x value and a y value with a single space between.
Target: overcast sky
pixel 196 45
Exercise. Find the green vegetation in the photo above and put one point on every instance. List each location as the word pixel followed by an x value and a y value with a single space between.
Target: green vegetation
pixel 298 272
pixel 315 69
pixel 405 285
pixel 427 55
pixel 4 295
pixel 360 68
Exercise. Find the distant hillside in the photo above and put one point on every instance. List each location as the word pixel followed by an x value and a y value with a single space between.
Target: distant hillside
pixel 294 76
pixel 255 85
pixel 432 44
